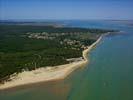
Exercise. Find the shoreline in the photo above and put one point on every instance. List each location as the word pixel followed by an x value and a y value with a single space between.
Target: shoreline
pixel 48 73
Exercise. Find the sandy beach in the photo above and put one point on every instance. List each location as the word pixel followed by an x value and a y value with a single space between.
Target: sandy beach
pixel 47 73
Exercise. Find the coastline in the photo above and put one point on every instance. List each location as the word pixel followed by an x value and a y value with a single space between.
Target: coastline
pixel 48 73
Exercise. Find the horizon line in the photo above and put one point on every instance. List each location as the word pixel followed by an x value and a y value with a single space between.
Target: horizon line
pixel 60 19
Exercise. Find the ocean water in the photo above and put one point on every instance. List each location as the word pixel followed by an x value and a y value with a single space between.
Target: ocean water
pixel 108 76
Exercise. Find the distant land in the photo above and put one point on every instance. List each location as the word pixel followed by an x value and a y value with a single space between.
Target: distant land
pixel 32 23
pixel 126 22
pixel 26 46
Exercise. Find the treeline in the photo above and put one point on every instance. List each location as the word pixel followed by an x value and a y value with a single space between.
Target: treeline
pixel 28 28
pixel 18 52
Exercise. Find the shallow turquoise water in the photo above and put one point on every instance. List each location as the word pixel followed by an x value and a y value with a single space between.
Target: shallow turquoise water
pixel 109 75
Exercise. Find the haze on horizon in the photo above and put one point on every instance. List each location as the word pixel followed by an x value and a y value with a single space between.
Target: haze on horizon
pixel 66 9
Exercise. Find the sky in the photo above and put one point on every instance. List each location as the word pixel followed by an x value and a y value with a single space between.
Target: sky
pixel 66 9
